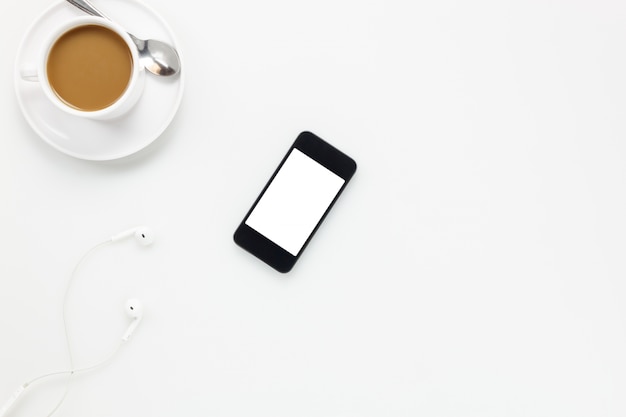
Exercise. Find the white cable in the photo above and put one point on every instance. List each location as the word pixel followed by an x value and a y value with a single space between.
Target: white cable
pixel 67 334
pixel 77 371
pixel 72 370
pixel 67 290
pixel 72 373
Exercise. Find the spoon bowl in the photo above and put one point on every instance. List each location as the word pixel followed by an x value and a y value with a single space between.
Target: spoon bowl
pixel 157 57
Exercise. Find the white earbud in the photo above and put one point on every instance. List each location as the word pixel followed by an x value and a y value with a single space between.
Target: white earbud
pixel 134 309
pixel 142 234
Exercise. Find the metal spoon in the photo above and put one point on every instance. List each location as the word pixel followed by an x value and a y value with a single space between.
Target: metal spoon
pixel 157 57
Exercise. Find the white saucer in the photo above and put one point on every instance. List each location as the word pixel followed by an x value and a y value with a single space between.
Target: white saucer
pixel 91 139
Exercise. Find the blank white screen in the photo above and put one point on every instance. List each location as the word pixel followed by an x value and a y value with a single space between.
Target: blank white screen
pixel 295 201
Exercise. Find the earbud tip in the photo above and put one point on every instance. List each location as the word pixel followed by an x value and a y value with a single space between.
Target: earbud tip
pixel 134 308
pixel 144 236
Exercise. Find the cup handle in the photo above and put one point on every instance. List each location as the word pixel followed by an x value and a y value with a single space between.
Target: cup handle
pixel 29 74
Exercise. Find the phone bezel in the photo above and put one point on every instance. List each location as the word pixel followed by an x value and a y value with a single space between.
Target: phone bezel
pixel 326 155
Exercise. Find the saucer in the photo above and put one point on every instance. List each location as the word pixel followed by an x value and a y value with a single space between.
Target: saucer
pixel 93 139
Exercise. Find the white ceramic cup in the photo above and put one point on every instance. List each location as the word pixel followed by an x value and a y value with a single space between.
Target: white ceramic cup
pixel 37 72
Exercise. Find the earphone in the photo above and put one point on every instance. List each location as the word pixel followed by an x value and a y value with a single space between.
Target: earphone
pixel 143 235
pixel 133 309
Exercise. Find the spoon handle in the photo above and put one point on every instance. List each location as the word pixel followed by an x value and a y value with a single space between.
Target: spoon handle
pixel 88 8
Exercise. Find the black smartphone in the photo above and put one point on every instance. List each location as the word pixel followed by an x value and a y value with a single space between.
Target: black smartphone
pixel 295 201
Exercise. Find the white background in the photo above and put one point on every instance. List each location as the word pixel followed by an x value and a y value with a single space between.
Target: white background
pixel 473 267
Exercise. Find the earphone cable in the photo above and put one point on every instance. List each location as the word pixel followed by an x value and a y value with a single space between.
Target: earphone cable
pixel 72 373
pixel 133 309
pixel 79 370
pixel 67 333
pixel 65 297
pixel 72 370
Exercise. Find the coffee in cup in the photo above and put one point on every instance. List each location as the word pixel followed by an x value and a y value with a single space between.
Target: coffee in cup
pixel 90 67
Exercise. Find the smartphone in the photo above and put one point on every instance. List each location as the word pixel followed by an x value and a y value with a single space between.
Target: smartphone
pixel 295 201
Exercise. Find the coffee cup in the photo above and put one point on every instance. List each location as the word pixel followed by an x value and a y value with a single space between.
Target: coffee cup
pixel 89 67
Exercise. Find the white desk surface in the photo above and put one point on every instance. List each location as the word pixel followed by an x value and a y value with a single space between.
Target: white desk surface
pixel 473 267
